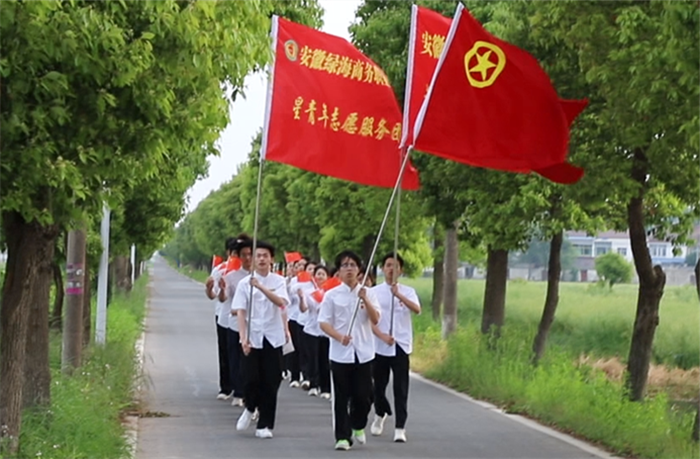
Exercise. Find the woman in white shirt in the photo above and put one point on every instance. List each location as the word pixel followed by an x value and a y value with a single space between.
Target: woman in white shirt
pixel 318 368
pixel 263 347
pixel 351 351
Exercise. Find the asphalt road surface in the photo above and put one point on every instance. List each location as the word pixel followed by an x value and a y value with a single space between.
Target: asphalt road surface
pixel 186 421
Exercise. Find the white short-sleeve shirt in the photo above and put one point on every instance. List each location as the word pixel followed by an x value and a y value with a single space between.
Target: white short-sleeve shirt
pixel 265 318
pixel 337 309
pixel 216 274
pixel 225 318
pixel 311 327
pixel 293 307
pixel 306 288
pixel 403 326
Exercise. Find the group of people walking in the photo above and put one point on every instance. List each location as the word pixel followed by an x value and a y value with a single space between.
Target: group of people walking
pixel 342 337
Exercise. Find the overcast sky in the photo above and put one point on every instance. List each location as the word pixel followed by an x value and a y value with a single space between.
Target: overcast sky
pixel 247 114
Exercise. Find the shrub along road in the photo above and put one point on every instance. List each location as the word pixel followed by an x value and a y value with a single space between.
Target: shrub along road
pixel 184 419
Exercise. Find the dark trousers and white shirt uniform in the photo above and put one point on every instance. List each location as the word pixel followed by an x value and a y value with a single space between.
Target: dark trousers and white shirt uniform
pixel 225 384
pixel 233 339
pixel 351 370
pixel 394 358
pixel 318 367
pixel 263 366
pixel 293 359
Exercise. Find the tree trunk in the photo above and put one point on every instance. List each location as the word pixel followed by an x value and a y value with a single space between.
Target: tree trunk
pixel 438 271
pixel 552 299
pixel 449 316
pixel 697 276
pixel 367 246
pixel 495 293
pixel 122 275
pixel 87 307
pixel 28 246
pixel 57 314
pixel 652 280
pixel 37 372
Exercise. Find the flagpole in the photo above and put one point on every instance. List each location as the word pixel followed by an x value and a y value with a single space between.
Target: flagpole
pixel 263 149
pixel 397 187
pixel 396 250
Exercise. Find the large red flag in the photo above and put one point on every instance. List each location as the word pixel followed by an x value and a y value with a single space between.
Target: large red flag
pixel 331 110
pixel 490 103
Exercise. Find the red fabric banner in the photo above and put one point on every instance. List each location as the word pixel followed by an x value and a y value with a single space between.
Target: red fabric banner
pixel 491 104
pixel 331 110
pixel 291 257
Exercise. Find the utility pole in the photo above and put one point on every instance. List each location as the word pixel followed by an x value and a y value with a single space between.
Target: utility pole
pixel 101 319
pixel 75 284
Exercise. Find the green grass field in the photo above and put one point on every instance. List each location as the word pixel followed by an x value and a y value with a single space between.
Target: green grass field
pixel 589 320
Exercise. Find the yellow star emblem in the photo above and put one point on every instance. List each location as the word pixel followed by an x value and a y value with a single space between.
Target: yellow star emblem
pixel 483 64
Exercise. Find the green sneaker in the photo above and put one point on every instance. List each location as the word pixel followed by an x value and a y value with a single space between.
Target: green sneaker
pixel 342 445
pixel 359 436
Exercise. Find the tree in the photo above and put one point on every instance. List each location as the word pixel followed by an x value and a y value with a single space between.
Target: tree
pixel 613 269
pixel 96 98
pixel 648 136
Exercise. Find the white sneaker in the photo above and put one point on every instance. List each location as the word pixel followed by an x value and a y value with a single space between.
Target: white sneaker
pixel 237 401
pixel 325 395
pixel 294 384
pixel 244 421
pixel 223 396
pixel 359 436
pixel 305 385
pixel 400 435
pixel 378 425
pixel 313 392
pixel 263 433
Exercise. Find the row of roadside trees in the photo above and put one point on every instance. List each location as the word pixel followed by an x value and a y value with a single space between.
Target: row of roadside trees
pixel 638 140
pixel 116 102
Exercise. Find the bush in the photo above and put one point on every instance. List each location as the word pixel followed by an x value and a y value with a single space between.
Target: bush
pixel 613 269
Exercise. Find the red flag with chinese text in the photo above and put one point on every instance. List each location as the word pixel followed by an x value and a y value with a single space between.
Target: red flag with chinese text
pixel 490 104
pixel 331 110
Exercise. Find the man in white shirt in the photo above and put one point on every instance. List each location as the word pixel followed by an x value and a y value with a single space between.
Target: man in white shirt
pixel 263 347
pixel 394 344
pixel 212 292
pixel 228 319
pixel 351 351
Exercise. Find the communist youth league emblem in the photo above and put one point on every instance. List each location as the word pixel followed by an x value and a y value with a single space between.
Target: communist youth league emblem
pixel 479 62
pixel 291 50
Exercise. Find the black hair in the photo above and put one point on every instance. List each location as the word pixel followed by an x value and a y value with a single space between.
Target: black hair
pixel 348 254
pixel 266 245
pixel 239 242
pixel 306 260
pixel 391 256
pixel 321 267
pixel 230 242
pixel 333 271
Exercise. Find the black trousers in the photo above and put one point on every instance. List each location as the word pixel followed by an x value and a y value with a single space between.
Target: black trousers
pixel 263 374
pixel 319 365
pixel 235 361
pixel 306 365
pixel 293 359
pixel 352 384
pixel 225 386
pixel 398 365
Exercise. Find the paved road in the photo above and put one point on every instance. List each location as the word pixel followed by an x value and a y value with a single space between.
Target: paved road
pixel 181 386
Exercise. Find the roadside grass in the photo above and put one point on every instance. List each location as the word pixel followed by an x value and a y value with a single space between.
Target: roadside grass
pixel 84 419
pixel 573 398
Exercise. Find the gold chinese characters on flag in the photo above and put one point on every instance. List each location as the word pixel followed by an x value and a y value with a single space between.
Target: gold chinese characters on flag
pixel 331 110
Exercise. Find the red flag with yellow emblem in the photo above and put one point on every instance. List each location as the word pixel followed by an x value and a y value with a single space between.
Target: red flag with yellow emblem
pixel 331 110
pixel 490 104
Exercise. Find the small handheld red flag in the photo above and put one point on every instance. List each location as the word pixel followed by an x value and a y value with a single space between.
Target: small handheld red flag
pixel 216 261
pixel 304 277
pixel 291 257
pixel 491 105
pixel 331 110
